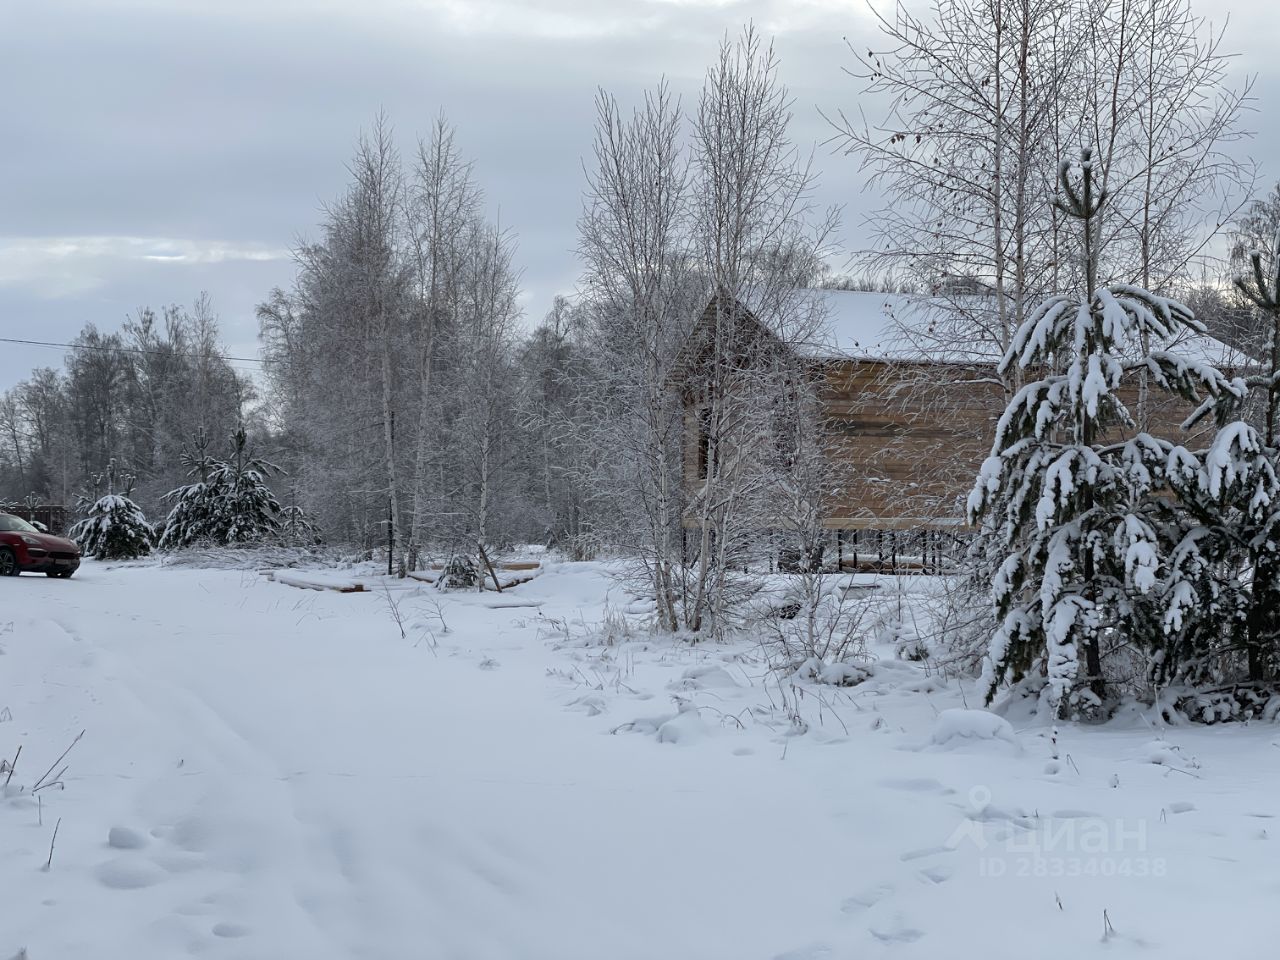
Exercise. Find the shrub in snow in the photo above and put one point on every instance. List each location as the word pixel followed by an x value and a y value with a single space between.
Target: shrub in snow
pixel 1234 704
pixel 460 573
pixel 229 503
pixel 1079 517
pixel 113 527
pixel 819 624
pixel 840 674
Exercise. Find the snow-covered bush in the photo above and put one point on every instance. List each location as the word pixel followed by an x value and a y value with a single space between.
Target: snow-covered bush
pixel 1237 703
pixel 460 573
pixel 114 528
pixel 819 630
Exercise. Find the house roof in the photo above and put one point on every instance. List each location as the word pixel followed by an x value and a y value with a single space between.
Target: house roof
pixel 888 326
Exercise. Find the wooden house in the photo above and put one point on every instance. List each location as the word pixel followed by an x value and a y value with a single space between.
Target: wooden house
pixel 906 423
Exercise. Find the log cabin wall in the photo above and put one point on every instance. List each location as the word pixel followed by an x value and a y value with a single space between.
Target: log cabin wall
pixel 905 440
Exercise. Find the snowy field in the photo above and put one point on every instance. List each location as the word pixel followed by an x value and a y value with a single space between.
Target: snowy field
pixel 269 772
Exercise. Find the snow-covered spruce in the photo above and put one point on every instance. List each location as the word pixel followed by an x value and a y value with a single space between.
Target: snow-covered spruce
pixel 229 503
pixel 1224 622
pixel 114 528
pixel 296 527
pixel 1078 512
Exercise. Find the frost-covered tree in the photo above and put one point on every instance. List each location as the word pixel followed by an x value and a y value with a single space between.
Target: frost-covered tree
pixel 114 527
pixel 230 502
pixel 755 234
pixel 1069 490
pixel 634 244
pixel 981 97
pixel 134 396
pixel 391 358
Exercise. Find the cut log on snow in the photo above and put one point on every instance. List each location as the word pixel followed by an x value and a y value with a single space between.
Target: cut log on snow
pixel 316 582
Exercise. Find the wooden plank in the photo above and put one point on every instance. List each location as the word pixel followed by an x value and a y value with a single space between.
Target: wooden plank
pixel 303 582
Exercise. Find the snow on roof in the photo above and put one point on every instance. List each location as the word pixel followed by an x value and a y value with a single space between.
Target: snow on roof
pixel 862 324
pixel 893 326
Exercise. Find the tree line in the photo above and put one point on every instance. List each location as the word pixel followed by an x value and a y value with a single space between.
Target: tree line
pixel 137 396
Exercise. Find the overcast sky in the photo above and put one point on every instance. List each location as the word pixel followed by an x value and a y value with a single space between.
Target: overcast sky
pixel 156 148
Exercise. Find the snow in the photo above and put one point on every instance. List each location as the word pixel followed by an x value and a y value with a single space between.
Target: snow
pixel 270 772
pixel 860 324
pixel 971 725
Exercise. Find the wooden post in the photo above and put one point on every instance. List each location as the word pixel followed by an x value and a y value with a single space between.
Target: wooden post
pixel 391 536
pixel 391 514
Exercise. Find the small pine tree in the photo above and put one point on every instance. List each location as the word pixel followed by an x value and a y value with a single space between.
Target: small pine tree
pixel 248 511
pixel 1225 621
pixel 114 527
pixel 229 503
pixel 1078 517
pixel 1263 623
pixel 296 527
pixel 191 518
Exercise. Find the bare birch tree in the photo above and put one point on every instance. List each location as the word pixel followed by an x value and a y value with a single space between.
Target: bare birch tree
pixel 442 205
pixel 375 207
pixel 751 208
pixel 634 245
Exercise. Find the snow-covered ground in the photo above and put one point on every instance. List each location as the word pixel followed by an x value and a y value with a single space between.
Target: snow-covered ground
pixel 268 772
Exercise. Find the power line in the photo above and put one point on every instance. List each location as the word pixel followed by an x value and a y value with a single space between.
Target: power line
pixel 139 350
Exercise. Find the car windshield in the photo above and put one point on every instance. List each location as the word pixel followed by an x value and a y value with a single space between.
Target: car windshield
pixel 11 524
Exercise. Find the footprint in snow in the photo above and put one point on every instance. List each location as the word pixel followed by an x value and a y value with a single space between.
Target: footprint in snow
pixel 866 899
pixel 814 951
pixel 916 785
pixel 925 852
pixel 896 931
pixel 936 874
pixel 230 930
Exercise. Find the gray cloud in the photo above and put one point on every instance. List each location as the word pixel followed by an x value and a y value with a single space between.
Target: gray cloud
pixel 155 149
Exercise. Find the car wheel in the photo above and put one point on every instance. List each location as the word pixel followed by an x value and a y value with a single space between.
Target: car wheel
pixel 8 562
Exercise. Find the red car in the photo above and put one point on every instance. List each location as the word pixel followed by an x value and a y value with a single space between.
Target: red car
pixel 24 548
